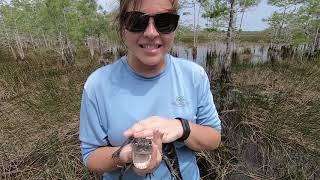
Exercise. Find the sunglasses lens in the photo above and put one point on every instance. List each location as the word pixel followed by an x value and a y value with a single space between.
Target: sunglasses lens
pixel 136 21
pixel 166 22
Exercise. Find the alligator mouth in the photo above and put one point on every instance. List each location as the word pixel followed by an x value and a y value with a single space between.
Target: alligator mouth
pixel 141 161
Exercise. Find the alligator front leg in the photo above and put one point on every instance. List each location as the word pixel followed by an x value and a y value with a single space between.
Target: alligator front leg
pixel 116 154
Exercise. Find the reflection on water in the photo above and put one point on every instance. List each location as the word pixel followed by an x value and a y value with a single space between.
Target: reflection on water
pixel 242 52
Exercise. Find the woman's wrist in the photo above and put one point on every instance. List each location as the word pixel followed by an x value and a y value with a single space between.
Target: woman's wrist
pixel 185 129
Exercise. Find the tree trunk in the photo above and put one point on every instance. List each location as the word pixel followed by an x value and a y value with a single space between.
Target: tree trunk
pixel 19 47
pixel 226 68
pixel 194 24
pixel 101 58
pixel 316 40
pixel 45 40
pixel 313 50
pixel 282 23
pixel 241 20
pixel 11 48
pixel 91 47
pixel 225 77
pixel 69 53
pixel 61 42
pixel 32 42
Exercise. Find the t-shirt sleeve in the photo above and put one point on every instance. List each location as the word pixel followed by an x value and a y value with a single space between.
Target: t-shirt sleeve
pixel 206 111
pixel 92 134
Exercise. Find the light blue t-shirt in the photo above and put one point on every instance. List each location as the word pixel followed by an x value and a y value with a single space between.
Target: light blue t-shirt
pixel 115 97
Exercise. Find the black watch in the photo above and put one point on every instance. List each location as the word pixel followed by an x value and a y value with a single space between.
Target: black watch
pixel 186 129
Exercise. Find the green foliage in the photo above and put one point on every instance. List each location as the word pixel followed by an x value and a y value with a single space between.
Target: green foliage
pixel 73 20
pixel 248 3
pixel 218 11
pixel 297 23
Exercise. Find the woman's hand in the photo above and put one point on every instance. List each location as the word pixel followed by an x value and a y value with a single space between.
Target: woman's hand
pixel 156 155
pixel 125 155
pixel 170 128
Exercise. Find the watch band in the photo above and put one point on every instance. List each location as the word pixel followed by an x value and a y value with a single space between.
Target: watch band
pixel 186 129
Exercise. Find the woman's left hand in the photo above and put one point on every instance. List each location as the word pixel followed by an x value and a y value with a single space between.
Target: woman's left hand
pixel 170 128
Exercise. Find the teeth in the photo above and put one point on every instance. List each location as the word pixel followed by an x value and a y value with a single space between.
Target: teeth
pixel 150 46
pixel 142 165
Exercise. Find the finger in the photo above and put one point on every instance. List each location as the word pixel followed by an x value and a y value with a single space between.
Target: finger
pixel 150 123
pixel 144 134
pixel 128 133
pixel 157 137
pixel 156 155
pixel 135 128
pixel 148 120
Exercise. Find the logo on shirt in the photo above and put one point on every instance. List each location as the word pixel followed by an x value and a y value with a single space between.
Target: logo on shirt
pixel 180 101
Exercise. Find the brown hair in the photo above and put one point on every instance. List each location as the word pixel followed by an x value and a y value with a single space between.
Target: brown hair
pixel 136 4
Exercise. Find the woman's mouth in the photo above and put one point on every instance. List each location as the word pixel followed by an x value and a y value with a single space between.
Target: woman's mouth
pixel 149 46
pixel 151 49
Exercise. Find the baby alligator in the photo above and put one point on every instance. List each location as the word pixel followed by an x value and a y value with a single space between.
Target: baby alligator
pixel 142 149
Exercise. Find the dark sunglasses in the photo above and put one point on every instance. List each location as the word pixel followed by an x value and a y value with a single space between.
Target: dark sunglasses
pixel 136 21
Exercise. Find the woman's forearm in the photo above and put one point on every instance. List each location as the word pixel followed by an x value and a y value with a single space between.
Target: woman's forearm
pixel 202 138
pixel 100 160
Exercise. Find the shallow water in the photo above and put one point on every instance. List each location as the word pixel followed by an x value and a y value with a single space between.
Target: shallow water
pixel 242 52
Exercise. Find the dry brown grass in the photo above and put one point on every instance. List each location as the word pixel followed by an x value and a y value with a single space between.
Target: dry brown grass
pixel 272 130
pixel 39 107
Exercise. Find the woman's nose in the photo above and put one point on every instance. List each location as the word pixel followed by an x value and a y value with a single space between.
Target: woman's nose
pixel 151 30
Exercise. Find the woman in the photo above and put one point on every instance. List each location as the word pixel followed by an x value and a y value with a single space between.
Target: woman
pixel 149 94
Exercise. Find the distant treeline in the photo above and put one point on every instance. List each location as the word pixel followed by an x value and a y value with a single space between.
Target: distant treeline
pixel 62 26
pixel 58 25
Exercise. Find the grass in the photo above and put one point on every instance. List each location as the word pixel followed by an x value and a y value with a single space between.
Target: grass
pixel 185 36
pixel 39 120
pixel 254 37
pixel 271 130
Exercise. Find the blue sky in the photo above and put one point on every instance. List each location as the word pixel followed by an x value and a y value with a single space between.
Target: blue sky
pixel 252 18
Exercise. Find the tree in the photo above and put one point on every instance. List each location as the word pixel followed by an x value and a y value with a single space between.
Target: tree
pixel 298 22
pixel 194 4
pixel 309 15
pixel 225 9
pixel 280 20
pixel 244 5
pixel 58 25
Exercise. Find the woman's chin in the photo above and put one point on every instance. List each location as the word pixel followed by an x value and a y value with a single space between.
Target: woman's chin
pixel 153 62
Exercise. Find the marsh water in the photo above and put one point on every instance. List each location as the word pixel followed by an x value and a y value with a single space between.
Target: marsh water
pixel 242 52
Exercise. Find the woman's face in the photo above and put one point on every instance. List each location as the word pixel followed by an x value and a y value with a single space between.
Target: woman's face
pixel 147 50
